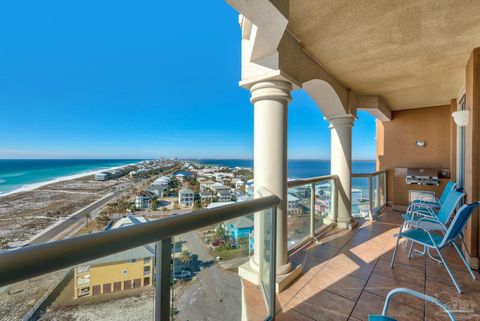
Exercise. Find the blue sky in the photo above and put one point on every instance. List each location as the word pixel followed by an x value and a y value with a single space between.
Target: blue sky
pixel 122 79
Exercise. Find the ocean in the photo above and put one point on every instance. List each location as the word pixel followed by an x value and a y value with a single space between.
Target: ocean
pixel 25 174
pixel 297 168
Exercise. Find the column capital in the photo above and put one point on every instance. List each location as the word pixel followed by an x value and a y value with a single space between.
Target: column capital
pixel 271 90
pixel 341 121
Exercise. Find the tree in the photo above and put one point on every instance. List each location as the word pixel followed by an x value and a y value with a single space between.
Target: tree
pixel 154 204
pixel 3 243
pixel 88 216
pixel 220 233
pixel 197 205
pixel 102 219
pixel 244 244
pixel 185 257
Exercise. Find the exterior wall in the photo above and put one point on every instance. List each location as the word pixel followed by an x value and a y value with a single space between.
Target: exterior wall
pixel 186 200
pixel 472 150
pixel 293 207
pixel 396 141
pixel 112 273
pixel 242 232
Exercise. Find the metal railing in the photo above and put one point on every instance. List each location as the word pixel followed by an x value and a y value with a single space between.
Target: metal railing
pixel 312 184
pixel 31 261
pixel 376 191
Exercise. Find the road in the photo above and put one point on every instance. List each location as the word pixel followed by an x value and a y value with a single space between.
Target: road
pixel 214 294
pixel 75 221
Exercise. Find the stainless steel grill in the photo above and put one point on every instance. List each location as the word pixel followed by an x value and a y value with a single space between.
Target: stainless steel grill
pixel 422 176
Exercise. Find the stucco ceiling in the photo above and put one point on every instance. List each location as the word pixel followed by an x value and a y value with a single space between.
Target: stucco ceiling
pixel 413 53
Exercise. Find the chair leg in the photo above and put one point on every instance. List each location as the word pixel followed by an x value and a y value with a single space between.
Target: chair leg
pixel 396 246
pixel 449 271
pixel 421 252
pixel 410 250
pixel 432 257
pixel 464 261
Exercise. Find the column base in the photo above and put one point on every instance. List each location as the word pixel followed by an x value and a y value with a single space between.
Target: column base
pixel 249 273
pixel 348 225
pixel 328 221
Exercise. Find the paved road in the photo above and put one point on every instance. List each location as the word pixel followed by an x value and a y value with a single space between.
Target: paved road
pixel 194 245
pixel 214 294
pixel 75 221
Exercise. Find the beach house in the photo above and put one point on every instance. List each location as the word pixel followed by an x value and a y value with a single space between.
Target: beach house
pixel 223 195
pixel 293 204
pixel 157 189
pixel 118 272
pixel 186 197
pixel 206 197
pixel 144 199
pixel 239 228
pixel 101 177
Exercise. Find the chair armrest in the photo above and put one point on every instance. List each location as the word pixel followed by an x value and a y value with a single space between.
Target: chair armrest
pixel 416 294
pixel 431 220
pixel 427 212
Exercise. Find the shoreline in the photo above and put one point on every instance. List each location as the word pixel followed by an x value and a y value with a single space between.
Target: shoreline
pixel 34 186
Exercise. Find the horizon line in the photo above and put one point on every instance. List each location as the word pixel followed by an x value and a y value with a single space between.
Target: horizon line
pixel 166 158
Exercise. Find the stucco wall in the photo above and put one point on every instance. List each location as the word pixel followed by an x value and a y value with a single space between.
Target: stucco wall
pixel 396 140
pixel 472 150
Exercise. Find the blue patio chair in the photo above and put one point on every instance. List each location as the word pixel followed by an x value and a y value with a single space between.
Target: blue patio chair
pixel 416 294
pixel 437 202
pixel 425 237
pixel 436 220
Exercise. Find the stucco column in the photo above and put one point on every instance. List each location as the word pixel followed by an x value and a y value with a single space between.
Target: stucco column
pixel 341 165
pixel 270 100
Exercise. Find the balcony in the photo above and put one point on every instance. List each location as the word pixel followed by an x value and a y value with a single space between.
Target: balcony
pixel 345 273
pixel 347 276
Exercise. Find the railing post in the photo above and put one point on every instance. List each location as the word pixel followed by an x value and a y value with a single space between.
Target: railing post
pixel 384 189
pixel 163 257
pixel 370 198
pixel 335 199
pixel 273 266
pixel 312 211
pixel 378 195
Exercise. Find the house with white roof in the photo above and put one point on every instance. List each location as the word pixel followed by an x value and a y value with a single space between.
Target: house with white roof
pixel 157 189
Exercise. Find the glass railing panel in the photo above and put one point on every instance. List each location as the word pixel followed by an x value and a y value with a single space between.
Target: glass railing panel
pixel 324 203
pixel 299 214
pixel 382 182
pixel 202 278
pixel 267 249
pixel 378 192
pixel 375 194
pixel 114 287
pixel 360 197
pixel 206 281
